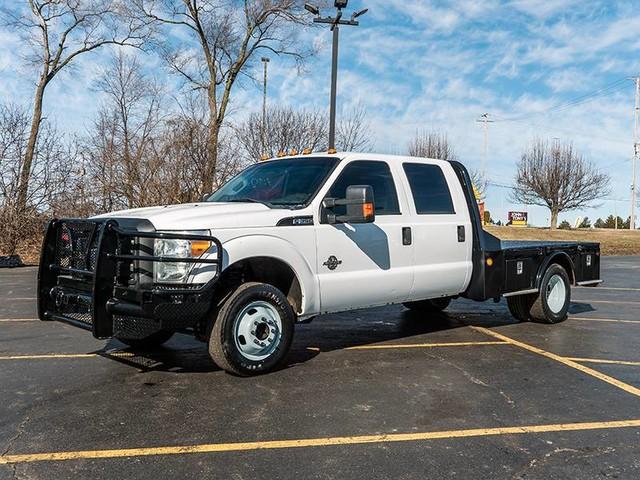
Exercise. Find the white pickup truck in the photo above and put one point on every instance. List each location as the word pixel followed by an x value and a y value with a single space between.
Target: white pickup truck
pixel 292 238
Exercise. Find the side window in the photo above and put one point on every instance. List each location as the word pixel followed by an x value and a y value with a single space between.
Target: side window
pixel 430 190
pixel 376 174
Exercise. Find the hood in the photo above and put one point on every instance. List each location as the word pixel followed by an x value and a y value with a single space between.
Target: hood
pixel 201 216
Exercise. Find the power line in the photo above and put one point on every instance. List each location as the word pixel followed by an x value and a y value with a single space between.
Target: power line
pixel 607 90
pixel 576 132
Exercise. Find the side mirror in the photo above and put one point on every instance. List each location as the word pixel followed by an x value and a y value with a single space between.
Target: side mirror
pixel 359 202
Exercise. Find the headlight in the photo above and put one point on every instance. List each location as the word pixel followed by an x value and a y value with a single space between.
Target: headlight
pixel 168 272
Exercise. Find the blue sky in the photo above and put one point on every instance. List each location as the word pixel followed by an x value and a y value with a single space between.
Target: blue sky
pixel 438 66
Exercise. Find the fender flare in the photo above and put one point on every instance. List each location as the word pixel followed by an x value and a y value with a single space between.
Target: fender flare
pixel 565 260
pixel 262 245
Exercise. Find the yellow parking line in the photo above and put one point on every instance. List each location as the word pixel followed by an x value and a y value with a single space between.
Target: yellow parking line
pixel 65 355
pixel 21 298
pixel 569 363
pixel 8 320
pixel 423 345
pixel 612 320
pixel 315 442
pixel 600 360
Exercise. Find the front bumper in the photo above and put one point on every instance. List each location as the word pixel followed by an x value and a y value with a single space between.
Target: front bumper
pixel 98 275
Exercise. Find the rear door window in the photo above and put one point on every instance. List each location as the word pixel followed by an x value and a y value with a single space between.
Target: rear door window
pixel 429 188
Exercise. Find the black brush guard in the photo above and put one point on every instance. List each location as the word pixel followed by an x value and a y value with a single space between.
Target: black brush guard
pixel 98 275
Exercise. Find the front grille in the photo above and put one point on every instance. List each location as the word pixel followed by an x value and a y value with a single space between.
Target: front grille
pixel 98 275
pixel 76 245
pixel 79 316
pixel 74 255
pixel 134 327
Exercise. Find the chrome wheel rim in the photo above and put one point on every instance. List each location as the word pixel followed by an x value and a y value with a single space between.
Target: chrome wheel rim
pixel 257 331
pixel 556 294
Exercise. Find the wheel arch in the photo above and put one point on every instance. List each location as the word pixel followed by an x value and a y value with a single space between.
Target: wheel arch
pixel 562 259
pixel 274 261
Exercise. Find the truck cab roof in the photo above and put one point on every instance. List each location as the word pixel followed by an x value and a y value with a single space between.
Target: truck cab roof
pixel 342 156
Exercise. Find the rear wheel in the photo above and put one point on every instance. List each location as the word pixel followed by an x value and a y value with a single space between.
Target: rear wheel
pixel 154 340
pixel 431 305
pixel 553 301
pixel 253 330
pixel 520 305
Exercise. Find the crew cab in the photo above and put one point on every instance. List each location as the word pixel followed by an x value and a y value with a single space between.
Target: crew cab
pixel 292 238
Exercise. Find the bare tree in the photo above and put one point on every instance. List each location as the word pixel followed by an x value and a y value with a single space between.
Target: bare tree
pixel 128 128
pixel 225 37
pixel 186 148
pixel 286 129
pixel 431 144
pixel 557 177
pixel 50 173
pixel 59 31
pixel 480 183
pixel 353 131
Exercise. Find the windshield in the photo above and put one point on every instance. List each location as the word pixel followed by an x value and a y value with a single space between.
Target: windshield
pixel 289 183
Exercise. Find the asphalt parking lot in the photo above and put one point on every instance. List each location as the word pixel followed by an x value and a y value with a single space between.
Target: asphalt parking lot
pixel 381 393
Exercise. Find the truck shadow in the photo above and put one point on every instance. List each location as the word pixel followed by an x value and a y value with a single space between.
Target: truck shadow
pixel 331 334
pixel 183 354
pixel 328 333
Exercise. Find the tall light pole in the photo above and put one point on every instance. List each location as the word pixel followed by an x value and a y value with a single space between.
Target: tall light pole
pixel 484 119
pixel 636 112
pixel 335 22
pixel 265 61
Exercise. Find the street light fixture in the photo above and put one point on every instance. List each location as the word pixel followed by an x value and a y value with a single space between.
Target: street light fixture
pixel 359 14
pixel 335 22
pixel 312 9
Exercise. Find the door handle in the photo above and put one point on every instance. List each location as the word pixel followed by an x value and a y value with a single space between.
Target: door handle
pixel 462 234
pixel 406 235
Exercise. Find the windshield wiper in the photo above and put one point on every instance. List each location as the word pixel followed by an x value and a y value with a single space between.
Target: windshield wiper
pixel 249 200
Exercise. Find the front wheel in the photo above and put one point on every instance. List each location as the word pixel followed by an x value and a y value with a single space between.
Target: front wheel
pixel 253 330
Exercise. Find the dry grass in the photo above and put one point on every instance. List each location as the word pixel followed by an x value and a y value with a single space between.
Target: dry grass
pixel 612 242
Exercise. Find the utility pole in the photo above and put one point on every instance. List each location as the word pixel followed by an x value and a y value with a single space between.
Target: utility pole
pixel 335 22
pixel 632 220
pixel 484 119
pixel 265 61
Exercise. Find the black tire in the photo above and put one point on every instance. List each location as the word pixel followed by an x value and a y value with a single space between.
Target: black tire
pixel 224 347
pixel 432 305
pixel 541 311
pixel 520 305
pixel 152 341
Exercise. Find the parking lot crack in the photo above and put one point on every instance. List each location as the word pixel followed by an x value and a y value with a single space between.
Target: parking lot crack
pixel 17 435
pixel 571 453
pixel 473 379
pixel 13 439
